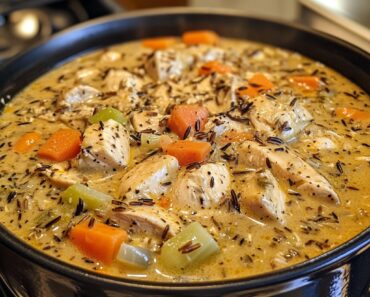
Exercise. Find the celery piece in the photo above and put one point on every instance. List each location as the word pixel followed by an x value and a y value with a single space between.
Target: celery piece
pixel 134 256
pixel 91 198
pixel 107 114
pixel 189 247
pixel 150 141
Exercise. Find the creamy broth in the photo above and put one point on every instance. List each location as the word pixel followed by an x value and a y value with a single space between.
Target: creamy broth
pixel 252 237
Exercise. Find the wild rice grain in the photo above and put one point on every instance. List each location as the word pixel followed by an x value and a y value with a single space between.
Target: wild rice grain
pixel 187 132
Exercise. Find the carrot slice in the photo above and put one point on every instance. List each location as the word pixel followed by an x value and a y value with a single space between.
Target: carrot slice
pixel 257 83
pixel 200 36
pixel 26 142
pixel 63 145
pixel 234 136
pixel 214 66
pixel 100 241
pixel 307 82
pixel 352 113
pixel 247 91
pixel 159 42
pixel 187 152
pixel 164 202
pixel 260 82
pixel 185 116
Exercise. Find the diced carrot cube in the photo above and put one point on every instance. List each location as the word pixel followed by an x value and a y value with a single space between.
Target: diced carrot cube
pixel 214 66
pixel 164 202
pixel 187 152
pixel 185 116
pixel 63 145
pixel 200 36
pixel 26 142
pixel 159 42
pixel 260 82
pixel 247 91
pixel 256 84
pixel 100 241
pixel 352 113
pixel 307 82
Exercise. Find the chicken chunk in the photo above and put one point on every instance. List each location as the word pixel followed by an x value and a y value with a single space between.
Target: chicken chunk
pixel 123 101
pixel 261 195
pixel 105 145
pixel 206 53
pixel 146 120
pixel 61 174
pixel 80 94
pixel 87 73
pixel 161 97
pixel 165 64
pixel 149 178
pixel 224 87
pixel 110 56
pixel 222 123
pixel 202 187
pixel 317 138
pixel 282 117
pixel 321 144
pixel 287 165
pixel 213 54
pixel 76 117
pixel 150 220
pixel 117 79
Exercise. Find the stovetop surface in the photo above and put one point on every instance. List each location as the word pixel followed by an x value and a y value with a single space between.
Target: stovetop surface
pixel 24 23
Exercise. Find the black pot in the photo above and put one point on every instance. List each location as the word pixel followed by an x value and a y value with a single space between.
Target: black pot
pixel 344 271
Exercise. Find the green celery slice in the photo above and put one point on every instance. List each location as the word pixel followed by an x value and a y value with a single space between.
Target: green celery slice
pixel 150 141
pixel 107 114
pixel 173 258
pixel 91 198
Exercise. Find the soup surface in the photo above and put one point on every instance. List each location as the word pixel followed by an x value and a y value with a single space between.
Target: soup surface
pixel 188 159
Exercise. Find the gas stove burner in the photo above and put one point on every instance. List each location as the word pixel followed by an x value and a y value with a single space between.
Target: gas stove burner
pixel 21 29
pixel 24 23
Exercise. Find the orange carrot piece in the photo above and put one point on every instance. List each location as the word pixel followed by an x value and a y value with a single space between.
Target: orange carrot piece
pixel 352 113
pixel 260 82
pixel 214 66
pixel 26 142
pixel 187 152
pixel 234 136
pixel 201 36
pixel 164 202
pixel 257 83
pixel 185 116
pixel 63 145
pixel 247 91
pixel 158 43
pixel 100 241
pixel 307 82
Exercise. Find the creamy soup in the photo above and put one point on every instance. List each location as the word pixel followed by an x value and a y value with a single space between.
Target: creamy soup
pixel 186 159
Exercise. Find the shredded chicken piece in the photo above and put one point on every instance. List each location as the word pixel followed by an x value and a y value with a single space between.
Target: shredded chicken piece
pixel 105 145
pixel 150 178
pixel 202 187
pixel 289 166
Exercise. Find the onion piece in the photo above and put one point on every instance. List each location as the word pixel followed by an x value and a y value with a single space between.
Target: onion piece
pixel 134 256
pixel 153 141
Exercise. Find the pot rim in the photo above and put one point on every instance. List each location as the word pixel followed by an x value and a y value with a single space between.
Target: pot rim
pixel 329 260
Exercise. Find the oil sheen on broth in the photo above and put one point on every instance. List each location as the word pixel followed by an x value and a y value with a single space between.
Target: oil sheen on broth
pixel 274 167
